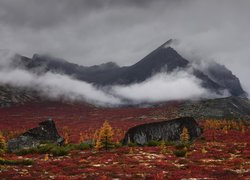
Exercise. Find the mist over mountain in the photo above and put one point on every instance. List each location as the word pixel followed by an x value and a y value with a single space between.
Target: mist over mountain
pixel 214 77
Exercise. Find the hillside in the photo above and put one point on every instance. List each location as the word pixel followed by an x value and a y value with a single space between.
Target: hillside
pixel 12 95
pixel 231 107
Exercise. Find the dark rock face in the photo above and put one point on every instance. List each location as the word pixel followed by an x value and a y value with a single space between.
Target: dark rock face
pixel 166 130
pixel 45 132
pixel 227 80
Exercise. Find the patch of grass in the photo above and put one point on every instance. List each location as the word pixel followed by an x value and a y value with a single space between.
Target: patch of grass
pixel 42 149
pixel 117 145
pixel 180 153
pixel 2 151
pixel 152 143
pixel 59 151
pixel 132 144
pixel 25 162
pixel 26 151
pixel 81 146
pixel 53 149
pixel 180 146
pixel 169 143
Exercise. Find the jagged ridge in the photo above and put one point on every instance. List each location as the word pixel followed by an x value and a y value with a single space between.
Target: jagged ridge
pixel 215 78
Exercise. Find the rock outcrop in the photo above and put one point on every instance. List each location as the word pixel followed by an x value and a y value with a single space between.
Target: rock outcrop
pixel 46 132
pixel 169 130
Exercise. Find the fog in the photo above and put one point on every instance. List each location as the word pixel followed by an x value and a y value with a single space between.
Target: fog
pixel 91 32
pixel 162 86
pixel 178 85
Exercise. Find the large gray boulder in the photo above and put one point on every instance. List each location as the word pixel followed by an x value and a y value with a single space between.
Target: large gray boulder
pixel 46 132
pixel 169 130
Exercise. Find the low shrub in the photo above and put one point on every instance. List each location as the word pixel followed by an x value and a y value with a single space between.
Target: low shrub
pixel 117 145
pixel 55 149
pixel 81 146
pixel 2 144
pixel 45 149
pixel 153 143
pixel 25 162
pixel 26 151
pixel 180 146
pixel 180 153
pixel 169 143
pixel 130 144
pixel 59 151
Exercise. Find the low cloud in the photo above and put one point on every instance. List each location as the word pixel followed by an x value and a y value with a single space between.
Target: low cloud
pixel 52 85
pixel 178 85
pixel 57 86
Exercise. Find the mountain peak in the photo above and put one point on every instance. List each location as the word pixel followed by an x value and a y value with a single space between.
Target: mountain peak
pixel 166 44
pixel 162 56
pixel 169 43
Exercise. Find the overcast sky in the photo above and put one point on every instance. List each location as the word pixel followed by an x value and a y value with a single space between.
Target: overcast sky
pixel 124 31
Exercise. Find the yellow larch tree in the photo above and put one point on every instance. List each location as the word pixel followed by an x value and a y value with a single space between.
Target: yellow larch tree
pixel 104 136
pixel 163 147
pixel 184 136
pixel 2 144
pixel 81 138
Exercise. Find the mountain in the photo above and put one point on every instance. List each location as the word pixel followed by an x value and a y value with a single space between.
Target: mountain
pixel 216 78
pixel 230 107
pixel 225 78
pixel 13 95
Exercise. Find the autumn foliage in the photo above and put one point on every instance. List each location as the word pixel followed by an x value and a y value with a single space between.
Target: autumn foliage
pixel 104 136
pixel 223 151
pixel 184 136
pixel 2 144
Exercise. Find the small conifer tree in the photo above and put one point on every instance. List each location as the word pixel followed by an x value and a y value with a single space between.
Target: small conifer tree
pixel 105 136
pixel 131 151
pixel 81 138
pixel 66 138
pixel 2 144
pixel 163 147
pixel 203 150
pixel 98 144
pixel 46 157
pixel 184 136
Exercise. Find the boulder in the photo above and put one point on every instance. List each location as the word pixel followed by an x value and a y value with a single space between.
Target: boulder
pixel 169 130
pixel 46 132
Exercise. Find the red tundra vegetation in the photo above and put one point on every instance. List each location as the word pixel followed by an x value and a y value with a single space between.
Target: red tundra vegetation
pixel 223 151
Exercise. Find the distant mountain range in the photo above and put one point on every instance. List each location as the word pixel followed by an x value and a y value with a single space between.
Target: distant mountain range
pixel 215 77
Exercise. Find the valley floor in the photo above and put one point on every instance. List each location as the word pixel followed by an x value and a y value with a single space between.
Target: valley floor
pixel 219 154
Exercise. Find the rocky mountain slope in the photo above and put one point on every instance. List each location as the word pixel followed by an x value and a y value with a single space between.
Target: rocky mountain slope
pixel 12 95
pixel 231 107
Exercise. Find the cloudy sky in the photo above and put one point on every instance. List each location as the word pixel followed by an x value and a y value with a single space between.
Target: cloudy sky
pixel 96 31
